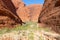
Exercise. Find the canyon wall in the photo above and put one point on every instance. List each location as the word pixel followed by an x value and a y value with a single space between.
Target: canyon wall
pixel 27 13
pixel 35 10
pixel 50 14
pixel 7 14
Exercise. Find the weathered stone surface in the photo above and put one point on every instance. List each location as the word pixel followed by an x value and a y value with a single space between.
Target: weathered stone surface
pixel 35 10
pixel 21 10
pixel 17 3
pixel 7 14
pixel 27 13
pixel 23 13
pixel 50 14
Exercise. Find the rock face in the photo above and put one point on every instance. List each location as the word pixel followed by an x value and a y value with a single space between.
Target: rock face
pixel 8 15
pixel 23 13
pixel 35 10
pixel 17 3
pixel 50 14
pixel 27 13
pixel 21 10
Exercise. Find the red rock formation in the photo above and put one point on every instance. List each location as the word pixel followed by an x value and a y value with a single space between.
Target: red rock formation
pixel 24 12
pixel 29 13
pixel 7 15
pixel 35 10
pixel 21 9
pixel 17 3
pixel 50 14
pixel 9 5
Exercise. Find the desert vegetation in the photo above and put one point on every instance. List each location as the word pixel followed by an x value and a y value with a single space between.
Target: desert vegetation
pixel 34 22
pixel 28 31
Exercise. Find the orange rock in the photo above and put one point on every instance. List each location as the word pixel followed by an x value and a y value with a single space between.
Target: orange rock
pixel 8 18
pixel 35 10
pixel 21 9
pixel 23 13
pixel 50 14
pixel 17 3
pixel 27 13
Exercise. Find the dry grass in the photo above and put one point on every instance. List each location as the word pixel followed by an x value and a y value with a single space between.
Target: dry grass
pixel 28 31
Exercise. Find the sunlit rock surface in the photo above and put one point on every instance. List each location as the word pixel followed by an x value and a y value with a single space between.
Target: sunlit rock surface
pixel 50 14
pixel 35 10
pixel 8 16
pixel 27 13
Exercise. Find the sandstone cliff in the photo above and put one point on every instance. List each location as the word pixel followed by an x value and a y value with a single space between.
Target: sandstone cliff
pixel 21 10
pixel 23 13
pixel 29 13
pixel 35 10
pixel 50 14
pixel 7 14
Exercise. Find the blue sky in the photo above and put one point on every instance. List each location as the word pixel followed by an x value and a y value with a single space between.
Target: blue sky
pixel 28 2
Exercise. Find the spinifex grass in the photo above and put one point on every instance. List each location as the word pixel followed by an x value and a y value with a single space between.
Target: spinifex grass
pixel 28 26
pixel 30 31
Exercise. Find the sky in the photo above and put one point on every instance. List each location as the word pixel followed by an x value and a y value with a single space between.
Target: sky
pixel 28 2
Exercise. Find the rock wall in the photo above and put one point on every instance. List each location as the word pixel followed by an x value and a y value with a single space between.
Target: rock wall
pixel 35 10
pixel 10 5
pixel 50 14
pixel 17 3
pixel 7 14
pixel 21 10
pixel 27 13
pixel 23 13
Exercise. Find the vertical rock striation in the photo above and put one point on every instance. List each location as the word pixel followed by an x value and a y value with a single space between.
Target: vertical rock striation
pixel 35 10
pixel 8 16
pixel 50 14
